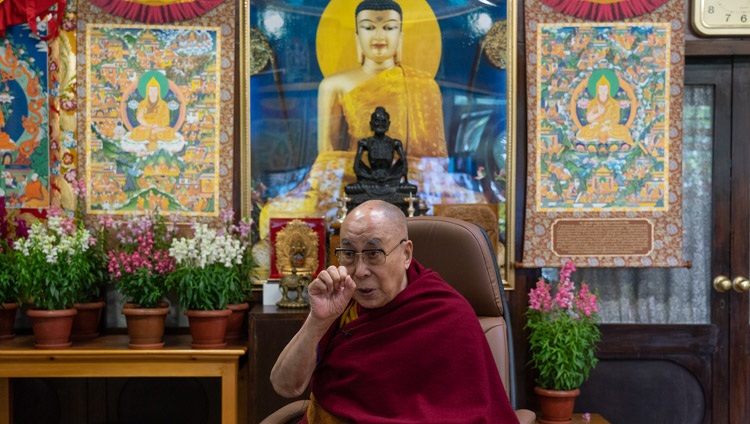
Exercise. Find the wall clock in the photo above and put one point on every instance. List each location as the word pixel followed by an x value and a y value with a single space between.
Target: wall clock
pixel 722 17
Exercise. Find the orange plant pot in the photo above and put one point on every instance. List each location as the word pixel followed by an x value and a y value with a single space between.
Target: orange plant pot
pixel 208 328
pixel 145 326
pixel 236 322
pixel 556 405
pixel 86 321
pixel 52 328
pixel 7 320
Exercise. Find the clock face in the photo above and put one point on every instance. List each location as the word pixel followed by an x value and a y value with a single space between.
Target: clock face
pixel 722 17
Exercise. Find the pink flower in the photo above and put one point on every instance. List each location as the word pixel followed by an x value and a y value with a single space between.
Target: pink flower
pixel 54 211
pixel 565 294
pixel 540 298
pixel 586 301
pixel 565 299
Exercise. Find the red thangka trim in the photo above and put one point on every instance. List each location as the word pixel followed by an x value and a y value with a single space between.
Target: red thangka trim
pixel 604 10
pixel 162 14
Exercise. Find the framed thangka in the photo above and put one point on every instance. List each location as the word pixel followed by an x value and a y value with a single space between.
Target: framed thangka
pixel 158 118
pixel 153 119
pixel 444 73
pixel 605 119
pixel 24 119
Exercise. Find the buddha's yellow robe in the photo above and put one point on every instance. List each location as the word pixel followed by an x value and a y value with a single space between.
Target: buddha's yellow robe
pixel 414 103
pixel 158 115
pixel 608 126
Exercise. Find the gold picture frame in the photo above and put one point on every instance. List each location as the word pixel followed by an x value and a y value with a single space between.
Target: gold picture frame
pixel 284 57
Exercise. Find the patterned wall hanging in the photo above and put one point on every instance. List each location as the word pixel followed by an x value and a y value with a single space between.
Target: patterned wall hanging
pixel 24 119
pixel 605 134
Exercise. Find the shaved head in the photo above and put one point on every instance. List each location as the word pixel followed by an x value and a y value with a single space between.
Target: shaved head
pixel 389 217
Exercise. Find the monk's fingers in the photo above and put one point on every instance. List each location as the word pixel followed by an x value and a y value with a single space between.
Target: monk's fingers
pixel 349 284
pixel 329 280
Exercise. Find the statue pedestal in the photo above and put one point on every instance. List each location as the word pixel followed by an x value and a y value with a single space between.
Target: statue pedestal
pixel 397 199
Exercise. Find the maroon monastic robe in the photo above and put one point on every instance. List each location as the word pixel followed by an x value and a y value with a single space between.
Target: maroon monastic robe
pixel 422 358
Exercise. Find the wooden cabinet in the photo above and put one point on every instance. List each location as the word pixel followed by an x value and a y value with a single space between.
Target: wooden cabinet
pixel 269 330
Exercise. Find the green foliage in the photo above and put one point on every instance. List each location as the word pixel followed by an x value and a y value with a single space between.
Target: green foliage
pixel 9 288
pixel 53 281
pixel 562 348
pixel 207 288
pixel 243 290
pixel 563 331
pixel 212 268
pixel 143 287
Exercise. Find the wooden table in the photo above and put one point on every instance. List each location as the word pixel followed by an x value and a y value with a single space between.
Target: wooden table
pixel 109 356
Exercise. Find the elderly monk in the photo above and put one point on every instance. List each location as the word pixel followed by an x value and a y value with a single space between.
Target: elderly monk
pixel 388 340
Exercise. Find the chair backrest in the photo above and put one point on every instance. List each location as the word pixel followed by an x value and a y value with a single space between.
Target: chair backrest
pixel 462 254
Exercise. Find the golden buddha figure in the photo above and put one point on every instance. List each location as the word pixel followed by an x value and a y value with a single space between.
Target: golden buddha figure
pixel 603 114
pixel 380 80
pixel 153 115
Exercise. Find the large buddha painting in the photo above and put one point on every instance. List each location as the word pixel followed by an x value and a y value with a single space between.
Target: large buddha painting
pixel 316 71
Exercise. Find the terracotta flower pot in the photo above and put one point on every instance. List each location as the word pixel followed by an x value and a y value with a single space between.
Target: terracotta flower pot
pixel 145 326
pixel 556 405
pixel 7 320
pixel 236 321
pixel 208 328
pixel 86 321
pixel 52 328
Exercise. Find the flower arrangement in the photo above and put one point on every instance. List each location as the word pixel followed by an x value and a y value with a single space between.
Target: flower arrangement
pixel 52 262
pixel 563 332
pixel 212 266
pixel 10 291
pixel 91 288
pixel 140 263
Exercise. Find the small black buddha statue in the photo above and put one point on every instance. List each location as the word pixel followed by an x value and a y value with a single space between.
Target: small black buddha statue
pixel 384 174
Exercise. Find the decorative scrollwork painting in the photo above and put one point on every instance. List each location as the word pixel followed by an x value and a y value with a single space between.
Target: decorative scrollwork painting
pixel 605 119
pixel 158 118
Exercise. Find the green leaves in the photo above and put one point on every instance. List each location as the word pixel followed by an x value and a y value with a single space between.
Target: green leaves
pixel 563 348
pixel 144 287
pixel 208 288
pixel 9 287
pixel 52 286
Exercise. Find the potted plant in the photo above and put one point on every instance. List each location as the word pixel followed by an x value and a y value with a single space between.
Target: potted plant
pixel 206 278
pixel 139 265
pixel 563 333
pixel 52 262
pixel 238 298
pixel 10 292
pixel 91 303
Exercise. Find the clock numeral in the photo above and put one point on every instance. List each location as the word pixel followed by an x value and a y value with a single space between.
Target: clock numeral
pixel 743 18
pixel 711 10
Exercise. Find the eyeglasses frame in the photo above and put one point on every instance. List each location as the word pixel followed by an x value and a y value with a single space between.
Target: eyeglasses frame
pixel 358 255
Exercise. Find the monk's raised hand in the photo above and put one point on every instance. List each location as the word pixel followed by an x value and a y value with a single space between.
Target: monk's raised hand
pixel 330 292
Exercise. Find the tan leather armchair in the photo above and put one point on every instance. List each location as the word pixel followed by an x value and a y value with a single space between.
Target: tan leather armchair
pixel 462 253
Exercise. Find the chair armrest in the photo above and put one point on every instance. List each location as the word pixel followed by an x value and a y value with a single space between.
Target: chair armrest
pixel 289 413
pixel 525 416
